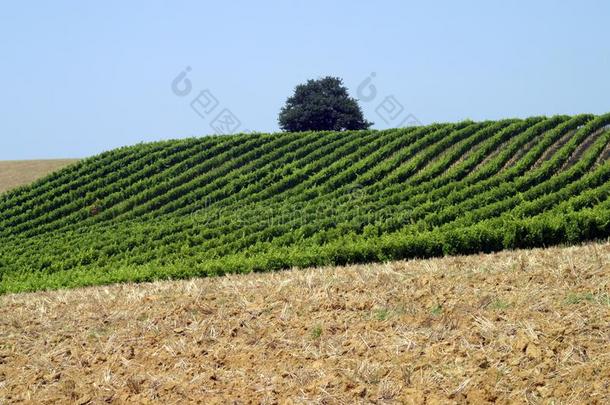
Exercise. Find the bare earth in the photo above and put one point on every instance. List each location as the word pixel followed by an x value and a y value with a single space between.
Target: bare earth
pixel 15 173
pixel 513 327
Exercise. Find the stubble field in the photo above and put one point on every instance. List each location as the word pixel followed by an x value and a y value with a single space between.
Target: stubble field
pixel 511 327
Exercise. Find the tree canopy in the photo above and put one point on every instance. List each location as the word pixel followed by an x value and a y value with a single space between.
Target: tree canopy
pixel 322 105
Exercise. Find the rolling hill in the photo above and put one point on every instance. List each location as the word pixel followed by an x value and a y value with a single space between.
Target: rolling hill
pixel 259 202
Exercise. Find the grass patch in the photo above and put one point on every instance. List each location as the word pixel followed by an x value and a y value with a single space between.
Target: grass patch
pixel 316 332
pixel 436 310
pixel 596 298
pixel 499 305
pixel 382 314
pixel 98 333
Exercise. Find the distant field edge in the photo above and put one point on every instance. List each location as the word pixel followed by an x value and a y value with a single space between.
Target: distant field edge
pixel 18 173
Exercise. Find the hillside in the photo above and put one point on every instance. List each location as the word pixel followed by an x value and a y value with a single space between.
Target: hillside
pixel 509 327
pixel 15 173
pixel 261 202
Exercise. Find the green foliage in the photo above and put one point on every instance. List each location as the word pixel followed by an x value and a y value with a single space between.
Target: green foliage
pixel 382 314
pixel 322 105
pixel 437 310
pixel 262 202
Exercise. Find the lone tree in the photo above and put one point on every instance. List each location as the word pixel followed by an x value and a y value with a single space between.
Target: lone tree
pixel 321 105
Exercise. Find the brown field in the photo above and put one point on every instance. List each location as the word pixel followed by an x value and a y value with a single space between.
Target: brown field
pixel 513 327
pixel 15 173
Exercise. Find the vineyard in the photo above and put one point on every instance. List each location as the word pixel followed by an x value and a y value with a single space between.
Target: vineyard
pixel 261 202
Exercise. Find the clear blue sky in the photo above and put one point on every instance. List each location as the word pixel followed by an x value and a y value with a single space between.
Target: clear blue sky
pixel 81 77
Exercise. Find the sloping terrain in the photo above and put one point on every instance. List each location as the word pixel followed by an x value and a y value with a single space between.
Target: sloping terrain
pixel 510 327
pixel 15 173
pixel 261 202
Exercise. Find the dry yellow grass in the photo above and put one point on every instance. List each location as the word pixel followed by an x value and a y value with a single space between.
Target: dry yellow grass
pixel 512 327
pixel 17 173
